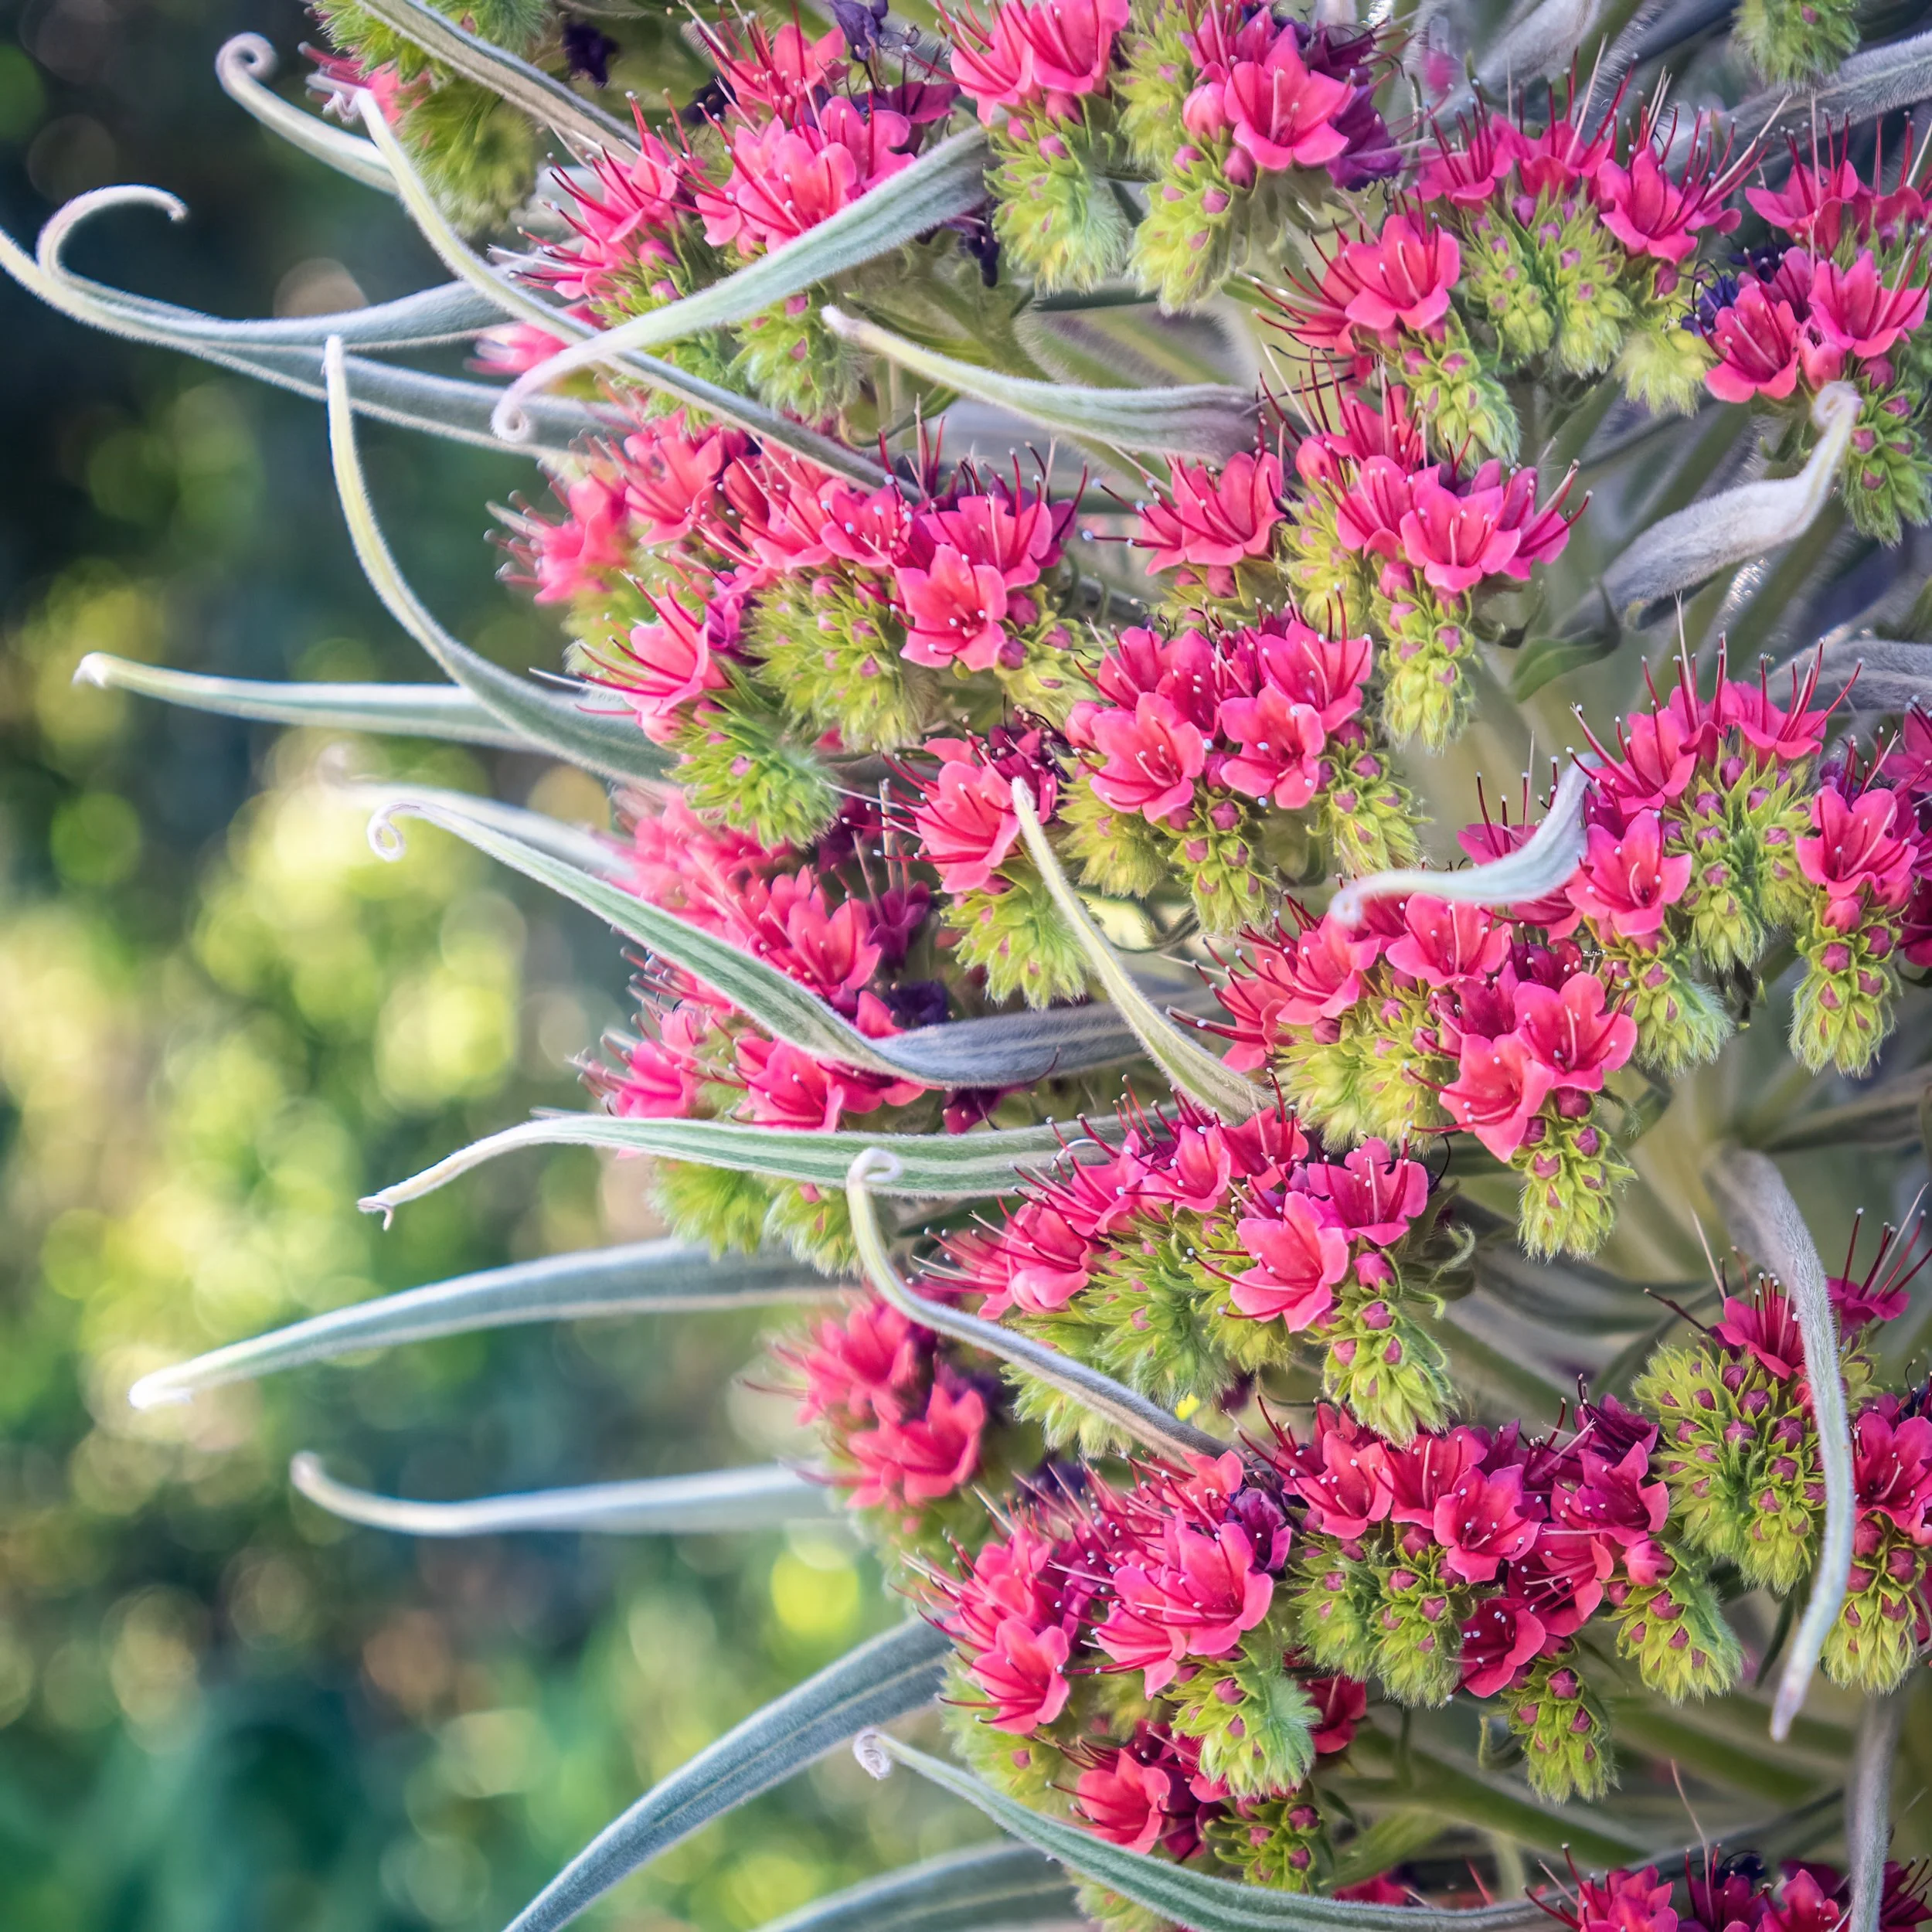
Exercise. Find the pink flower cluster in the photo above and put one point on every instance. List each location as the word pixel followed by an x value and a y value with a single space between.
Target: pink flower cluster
pixel 1531 1033
pixel 1162 1579
pixel 1398 278
pixel 904 1427
pixel 1735 1894
pixel 1544 1532
pixel 1190 722
pixel 1838 299
pixel 1420 520
pixel 1307 1226
pixel 1034 57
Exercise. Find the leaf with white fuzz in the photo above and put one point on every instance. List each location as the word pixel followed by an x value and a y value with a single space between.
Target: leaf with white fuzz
pixel 1207 420
pixel 1539 865
pixel 1200 1075
pixel 244 64
pixel 640 1278
pixel 719 1499
pixel 947 180
pixel 887 1677
pixel 999 1885
pixel 1100 1394
pixel 1682 551
pixel 1877 80
pixel 938 1167
pixel 1765 1221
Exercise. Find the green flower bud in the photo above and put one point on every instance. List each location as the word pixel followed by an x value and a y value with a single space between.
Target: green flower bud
pixel 1887 481
pixel 1334 1595
pixel 1458 394
pixel 1676 1631
pixel 724 1211
pixel 1873 1640
pixel 476 153
pixel 1500 278
pixel 1029 1769
pixel 1843 1008
pixel 1387 1370
pixel 832 653
pixel 1114 1913
pixel 1252 1718
pixel 815 1224
pixel 1219 862
pixel 1793 40
pixel 1058 219
pixel 1118 852
pixel 1426 694
pixel 795 363
pixel 1160 75
pixel 1571 1175
pixel 1417 1624
pixel 1280 1842
pixel 1580 263
pixel 1363 818
pixel 1016 935
pixel 1564 1731
pixel 1681 1023
pixel 738 765
pixel 1662 364
pixel 1185 241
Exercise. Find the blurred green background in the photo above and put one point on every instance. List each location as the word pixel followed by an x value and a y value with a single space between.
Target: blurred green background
pixel 221 1020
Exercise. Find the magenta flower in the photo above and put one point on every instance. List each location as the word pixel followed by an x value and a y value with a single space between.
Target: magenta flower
pixel 578 556
pixel 1482 1525
pixel 1404 275
pixel 1280 113
pixel 1281 743
pixel 1757 342
pixel 1153 756
pixel 922 1460
pixel 1210 1591
pixel 1209 519
pixel 1374 1193
pixel 671 478
pixel 1368 514
pixel 1442 942
pixel 1326 674
pixel 1652 214
pixel 1853 851
pixel 1022 1675
pixel 1500 1637
pixel 1302 1255
pixel 1570 1035
pixel 966 823
pixel 1456 541
pixel 1125 1800
pixel 784 180
pixel 1625 884
pixel 663 666
pixel 1499 1086
pixel 860 1369
pixel 1856 312
pixel 954 609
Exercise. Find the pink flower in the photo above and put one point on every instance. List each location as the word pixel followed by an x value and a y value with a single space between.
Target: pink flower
pixel 1342 1478
pixel 1421 1476
pixel 921 1461
pixel 1021 1674
pixel 787 920
pixel 662 1078
pixel 1280 113
pixel 1048 54
pixel 1009 1578
pixel 1374 1193
pixel 1810 204
pixel 1501 1636
pixel 1482 1525
pixel 1498 1087
pixel 1467 176
pixel 1153 756
pixel 1442 942
pixel 1855 851
pixel 966 823
pixel 1766 1329
pixel 1613 1501
pixel 1326 674
pixel 1456 541
pixel 1340 1705
pixel 1047 1260
pixel 662 666
pixel 1125 1800
pixel 1302 1255
pixel 579 556
pixel 1404 275
pixel 1209 519
pixel 1210 1590
pixel 1891 1466
pixel 1281 748
pixel 1652 214
pixel 1570 1035
pixel 1757 342
pixel 670 478
pixel 1625 884
pixel 1368 514
pixel 862 1367
pixel 1858 313
pixel 955 609
pixel 784 180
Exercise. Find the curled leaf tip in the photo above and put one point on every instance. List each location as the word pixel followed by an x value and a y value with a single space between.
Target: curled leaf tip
pixel 874 1759
pixel 159 1390
pixel 379 1204
pixel 93 669
pixel 386 837
pixel 1539 865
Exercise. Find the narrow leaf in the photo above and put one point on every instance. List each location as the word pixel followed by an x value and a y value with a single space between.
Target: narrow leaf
pixel 242 66
pixel 1538 866
pixel 605 743
pixel 1209 419
pixel 1679 552
pixel 642 1277
pixel 947 180
pixel 409 710
pixel 1878 81
pixel 513 299
pixel 1765 1221
pixel 1101 1394
pixel 575 846
pixel 494 67
pixel 885 1678
pixel 990 1886
pixel 1868 1804
pixel 1201 1075
pixel 664 1505
pixel 1189 1898
pixel 1883 1116
pixel 932 1166
pixel 1004 1050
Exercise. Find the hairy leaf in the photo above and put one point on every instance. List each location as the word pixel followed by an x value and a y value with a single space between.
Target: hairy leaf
pixel 881 1680
pixel 663 1505
pixel 1868 1804
pixel 1189 1898
pixel 990 1886
pixel 931 1166
pixel 947 180
pixel 242 66
pixel 1197 419
pixel 641 1277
